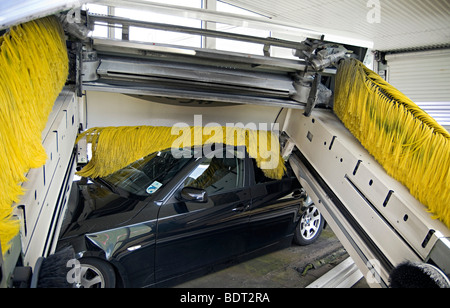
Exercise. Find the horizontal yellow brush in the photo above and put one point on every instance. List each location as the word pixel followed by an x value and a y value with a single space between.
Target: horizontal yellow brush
pixel 113 148
pixel 33 70
pixel 411 146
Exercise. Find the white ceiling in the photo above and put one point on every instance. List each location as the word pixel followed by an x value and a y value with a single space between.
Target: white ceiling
pixel 403 24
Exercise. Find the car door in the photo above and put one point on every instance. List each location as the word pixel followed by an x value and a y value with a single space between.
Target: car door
pixel 196 234
pixel 275 208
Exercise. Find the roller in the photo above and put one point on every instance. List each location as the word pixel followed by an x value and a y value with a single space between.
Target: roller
pixel 410 145
pixel 33 71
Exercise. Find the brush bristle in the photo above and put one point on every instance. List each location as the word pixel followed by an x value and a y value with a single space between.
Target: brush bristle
pixel 114 148
pixel 53 271
pixel 417 275
pixel 411 146
pixel 33 70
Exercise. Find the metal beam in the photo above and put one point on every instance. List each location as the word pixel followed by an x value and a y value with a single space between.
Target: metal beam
pixel 209 42
pixel 214 16
pixel 344 275
pixel 126 22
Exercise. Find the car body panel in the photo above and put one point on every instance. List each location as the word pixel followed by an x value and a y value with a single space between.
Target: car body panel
pixel 200 237
pixel 274 212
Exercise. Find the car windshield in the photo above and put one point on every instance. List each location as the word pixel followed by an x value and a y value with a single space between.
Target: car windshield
pixel 147 175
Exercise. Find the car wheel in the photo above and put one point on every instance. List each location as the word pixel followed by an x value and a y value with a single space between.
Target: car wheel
pixel 309 227
pixel 95 273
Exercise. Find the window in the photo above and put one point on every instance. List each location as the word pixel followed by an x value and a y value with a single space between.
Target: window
pixel 159 36
pixel 150 35
pixel 238 46
pixel 218 174
pixel 147 175
pixel 101 30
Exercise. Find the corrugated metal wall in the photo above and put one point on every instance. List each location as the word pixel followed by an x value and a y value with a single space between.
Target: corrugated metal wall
pixel 425 78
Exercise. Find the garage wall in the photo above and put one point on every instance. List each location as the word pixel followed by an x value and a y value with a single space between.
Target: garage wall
pixel 113 109
pixel 425 78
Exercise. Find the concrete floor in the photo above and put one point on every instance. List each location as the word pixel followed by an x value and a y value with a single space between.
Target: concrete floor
pixel 293 267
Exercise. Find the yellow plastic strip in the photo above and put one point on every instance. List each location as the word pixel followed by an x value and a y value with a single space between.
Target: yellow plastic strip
pixel 410 145
pixel 114 148
pixel 33 70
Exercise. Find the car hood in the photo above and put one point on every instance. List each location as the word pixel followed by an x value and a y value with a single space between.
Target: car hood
pixel 93 207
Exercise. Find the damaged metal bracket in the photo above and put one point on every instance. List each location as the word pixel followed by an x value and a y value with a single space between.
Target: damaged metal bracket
pixel 314 94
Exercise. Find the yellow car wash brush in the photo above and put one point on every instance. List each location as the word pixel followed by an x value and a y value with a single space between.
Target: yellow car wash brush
pixel 33 70
pixel 114 148
pixel 411 146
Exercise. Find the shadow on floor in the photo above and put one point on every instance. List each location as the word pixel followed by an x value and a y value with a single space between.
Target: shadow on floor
pixel 293 267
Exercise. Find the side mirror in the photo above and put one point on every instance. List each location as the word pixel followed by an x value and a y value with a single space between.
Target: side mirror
pixel 194 194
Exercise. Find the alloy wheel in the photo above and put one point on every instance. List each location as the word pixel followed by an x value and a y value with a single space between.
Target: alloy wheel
pixel 310 222
pixel 91 277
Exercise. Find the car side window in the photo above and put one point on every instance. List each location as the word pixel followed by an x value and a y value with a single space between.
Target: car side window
pixel 218 174
pixel 147 175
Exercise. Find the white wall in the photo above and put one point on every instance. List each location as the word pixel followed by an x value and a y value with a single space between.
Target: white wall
pixel 113 109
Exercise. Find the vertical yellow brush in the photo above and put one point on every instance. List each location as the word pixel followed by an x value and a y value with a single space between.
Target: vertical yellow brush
pixel 410 145
pixel 33 70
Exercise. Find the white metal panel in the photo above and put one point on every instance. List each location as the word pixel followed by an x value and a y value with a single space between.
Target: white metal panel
pixel 425 78
pixel 39 207
pixel 113 109
pixel 243 20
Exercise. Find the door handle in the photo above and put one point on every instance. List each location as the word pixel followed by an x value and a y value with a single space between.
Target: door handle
pixel 241 208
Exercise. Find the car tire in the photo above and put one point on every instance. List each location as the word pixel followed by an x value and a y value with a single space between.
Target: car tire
pixel 96 273
pixel 310 226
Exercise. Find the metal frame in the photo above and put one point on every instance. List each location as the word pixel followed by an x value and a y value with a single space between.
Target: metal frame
pixel 41 209
pixel 169 71
pixel 125 23
pixel 375 217
pixel 344 275
pixel 238 20
pixel 162 70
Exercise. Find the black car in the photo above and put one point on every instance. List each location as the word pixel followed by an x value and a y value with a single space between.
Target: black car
pixel 163 218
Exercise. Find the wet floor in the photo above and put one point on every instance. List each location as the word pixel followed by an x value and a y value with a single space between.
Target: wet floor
pixel 293 267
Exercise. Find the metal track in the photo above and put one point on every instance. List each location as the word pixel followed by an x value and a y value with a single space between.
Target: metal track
pixel 377 220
